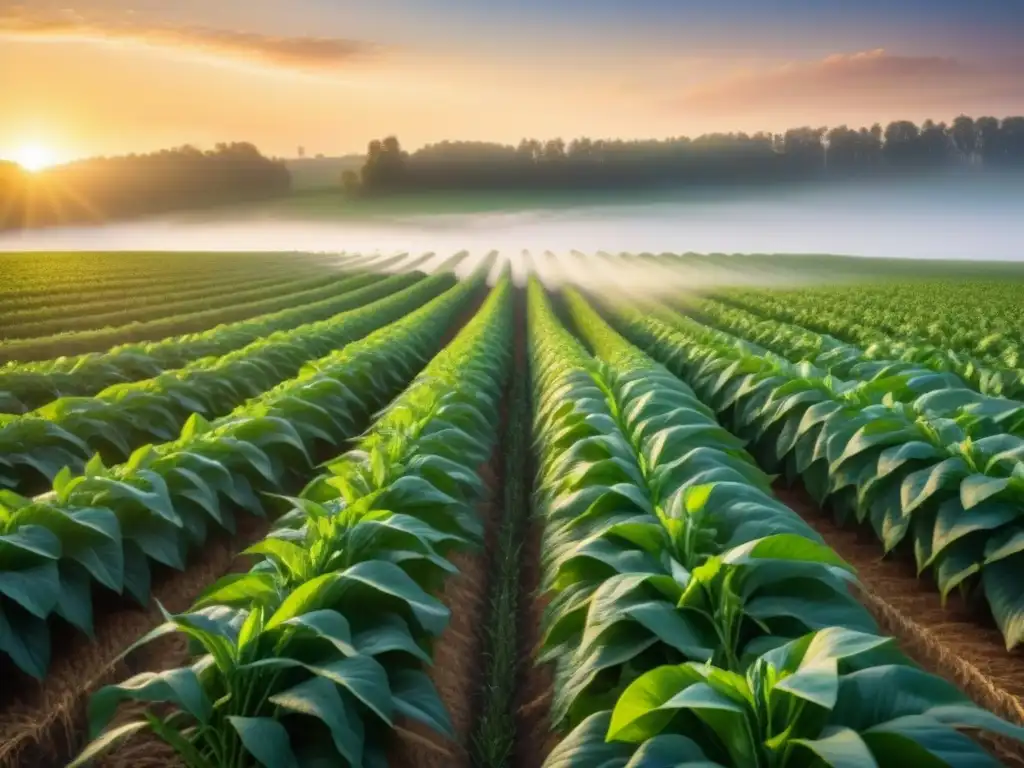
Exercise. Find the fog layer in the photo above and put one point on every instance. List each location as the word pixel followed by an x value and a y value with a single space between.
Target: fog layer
pixel 947 219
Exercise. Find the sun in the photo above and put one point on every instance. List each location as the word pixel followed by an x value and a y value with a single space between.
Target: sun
pixel 34 157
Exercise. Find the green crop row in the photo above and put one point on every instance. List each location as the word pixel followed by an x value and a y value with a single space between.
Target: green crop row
pixel 694 620
pixel 983 347
pixel 913 466
pixel 846 361
pixel 313 656
pixel 145 298
pixel 81 342
pixel 25 386
pixel 66 320
pixel 35 279
pixel 70 430
pixel 108 526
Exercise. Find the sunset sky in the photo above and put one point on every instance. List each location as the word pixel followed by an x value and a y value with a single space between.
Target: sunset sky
pixel 115 76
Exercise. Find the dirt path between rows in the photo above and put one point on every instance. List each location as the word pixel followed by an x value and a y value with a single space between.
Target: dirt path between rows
pixel 458 653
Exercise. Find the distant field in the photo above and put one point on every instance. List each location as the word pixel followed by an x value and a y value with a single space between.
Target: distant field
pixel 427 510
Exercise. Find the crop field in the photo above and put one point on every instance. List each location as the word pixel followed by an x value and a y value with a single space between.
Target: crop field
pixel 576 511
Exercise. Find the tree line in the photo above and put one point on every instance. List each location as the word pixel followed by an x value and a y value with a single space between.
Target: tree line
pixel 718 158
pixel 106 188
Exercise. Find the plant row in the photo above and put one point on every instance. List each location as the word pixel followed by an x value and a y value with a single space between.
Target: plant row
pixel 847 361
pixel 26 386
pixel 92 340
pixel 949 489
pixel 991 361
pixel 65 320
pixel 81 277
pixel 110 526
pixel 100 302
pixel 694 620
pixel 70 430
pixel 315 655
pixel 57 317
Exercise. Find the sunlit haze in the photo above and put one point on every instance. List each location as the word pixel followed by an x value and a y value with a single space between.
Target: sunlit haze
pixel 110 77
pixel 34 157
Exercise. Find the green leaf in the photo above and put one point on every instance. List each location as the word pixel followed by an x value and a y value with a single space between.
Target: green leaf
pixel 816 682
pixel 364 678
pixel 241 589
pixel 977 488
pixel 875 695
pixel 180 687
pixel 784 546
pixel 75 602
pixel 105 741
pixel 319 698
pixel 839 643
pixel 35 589
pixel 26 639
pixel 28 540
pixel 389 634
pixel 329 625
pixel 920 486
pixel 389 579
pixel 585 747
pixel 670 750
pixel 1001 581
pixel 415 697
pixel 307 597
pixel 638 713
pixel 840 748
pixel 266 740
pixel 921 741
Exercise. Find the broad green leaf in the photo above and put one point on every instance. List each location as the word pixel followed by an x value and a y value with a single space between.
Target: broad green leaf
pixel 266 740
pixel 329 625
pixel 1001 581
pixel 415 697
pixel 241 589
pixel 106 741
pixel 364 678
pixel 840 748
pixel 319 698
pixel 26 639
pixel 180 687
pixel 307 597
pixel 638 713
pixel 585 747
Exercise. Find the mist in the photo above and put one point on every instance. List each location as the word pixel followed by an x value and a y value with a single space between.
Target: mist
pixel 938 218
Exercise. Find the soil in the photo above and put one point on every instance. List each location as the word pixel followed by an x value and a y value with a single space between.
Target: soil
pixel 45 724
pixel 535 739
pixel 458 653
pixel 951 641
pixel 457 659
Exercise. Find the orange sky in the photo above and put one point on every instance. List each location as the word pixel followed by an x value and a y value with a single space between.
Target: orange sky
pixel 107 79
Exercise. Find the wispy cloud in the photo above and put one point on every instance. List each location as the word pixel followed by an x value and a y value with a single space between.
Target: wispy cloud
pixel 867 80
pixel 24 22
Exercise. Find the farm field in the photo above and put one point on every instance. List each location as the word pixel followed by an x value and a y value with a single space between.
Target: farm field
pixel 568 510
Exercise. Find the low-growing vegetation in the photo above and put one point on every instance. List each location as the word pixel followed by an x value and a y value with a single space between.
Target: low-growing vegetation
pixel 539 522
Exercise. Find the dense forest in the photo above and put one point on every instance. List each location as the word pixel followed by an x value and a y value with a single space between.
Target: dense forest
pixel 106 188
pixel 723 158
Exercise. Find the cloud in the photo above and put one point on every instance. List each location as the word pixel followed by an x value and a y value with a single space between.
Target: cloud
pixel 22 22
pixel 868 80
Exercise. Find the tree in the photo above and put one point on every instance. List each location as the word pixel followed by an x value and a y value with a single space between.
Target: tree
pixel 965 138
pixel 987 135
pixel 350 181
